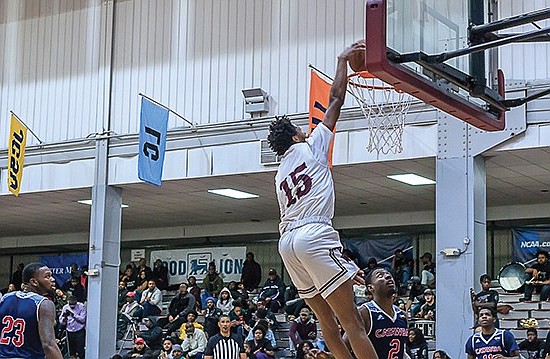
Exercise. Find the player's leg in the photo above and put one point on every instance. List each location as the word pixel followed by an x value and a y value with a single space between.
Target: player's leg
pixel 329 326
pixel 341 302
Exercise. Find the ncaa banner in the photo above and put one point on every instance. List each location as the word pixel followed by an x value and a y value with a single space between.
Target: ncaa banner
pixel 379 247
pixel 16 145
pixel 152 141
pixel 319 94
pixel 527 241
pixel 182 263
pixel 61 265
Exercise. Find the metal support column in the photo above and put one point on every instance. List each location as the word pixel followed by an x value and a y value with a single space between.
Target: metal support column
pixel 104 260
pixel 460 233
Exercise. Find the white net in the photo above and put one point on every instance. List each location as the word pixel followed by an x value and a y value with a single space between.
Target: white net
pixel 385 110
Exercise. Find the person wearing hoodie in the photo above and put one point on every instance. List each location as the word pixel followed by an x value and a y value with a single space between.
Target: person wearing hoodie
pixel 273 291
pixel 225 301
pixel 153 334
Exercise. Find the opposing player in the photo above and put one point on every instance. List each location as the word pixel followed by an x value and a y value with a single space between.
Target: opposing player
pixel 491 342
pixel 27 317
pixel 309 245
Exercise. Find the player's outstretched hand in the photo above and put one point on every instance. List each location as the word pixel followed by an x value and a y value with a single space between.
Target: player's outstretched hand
pixel 358 46
pixel 359 278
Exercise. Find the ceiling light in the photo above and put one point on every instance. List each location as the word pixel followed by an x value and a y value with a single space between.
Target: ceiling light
pixel 412 179
pixel 233 193
pixel 89 203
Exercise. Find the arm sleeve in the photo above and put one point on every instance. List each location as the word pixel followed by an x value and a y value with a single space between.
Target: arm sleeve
pixel 209 350
pixel 156 297
pixel 81 316
pixel 190 305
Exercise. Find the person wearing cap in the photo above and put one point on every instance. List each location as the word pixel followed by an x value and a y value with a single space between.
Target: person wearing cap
pixel 153 334
pixel 302 328
pixel 273 291
pixel 428 270
pixel 416 297
pixel 177 352
pixel 427 311
pixel 139 350
pixel 194 343
pixel 211 316
pixel 132 310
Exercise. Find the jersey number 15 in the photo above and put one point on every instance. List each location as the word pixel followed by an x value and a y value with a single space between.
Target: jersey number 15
pixel 295 178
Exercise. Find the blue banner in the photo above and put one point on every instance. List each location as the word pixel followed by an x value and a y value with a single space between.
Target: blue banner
pixel 527 241
pixel 152 141
pixel 61 265
pixel 380 247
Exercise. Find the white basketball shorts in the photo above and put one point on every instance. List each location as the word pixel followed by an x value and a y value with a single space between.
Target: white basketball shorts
pixel 312 255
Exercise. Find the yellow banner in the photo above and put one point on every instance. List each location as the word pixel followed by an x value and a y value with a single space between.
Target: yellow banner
pixel 16 145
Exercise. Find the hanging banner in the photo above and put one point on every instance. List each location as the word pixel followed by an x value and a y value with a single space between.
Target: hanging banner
pixel 319 94
pixel 61 265
pixel 527 241
pixel 16 145
pixel 378 247
pixel 182 263
pixel 152 141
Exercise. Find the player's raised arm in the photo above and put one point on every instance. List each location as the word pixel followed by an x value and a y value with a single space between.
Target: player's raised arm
pixel 339 86
pixel 46 322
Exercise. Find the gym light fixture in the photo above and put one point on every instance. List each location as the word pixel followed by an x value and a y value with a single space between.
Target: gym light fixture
pixel 233 193
pixel 89 203
pixel 412 179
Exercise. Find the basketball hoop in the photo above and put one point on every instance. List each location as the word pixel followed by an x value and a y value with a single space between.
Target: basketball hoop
pixel 385 109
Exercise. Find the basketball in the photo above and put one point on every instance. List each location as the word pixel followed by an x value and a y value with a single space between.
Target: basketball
pixel 357 61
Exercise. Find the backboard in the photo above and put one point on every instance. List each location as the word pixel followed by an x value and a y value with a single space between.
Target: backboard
pixel 415 33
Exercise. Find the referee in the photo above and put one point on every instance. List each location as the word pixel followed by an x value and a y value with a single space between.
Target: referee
pixel 225 345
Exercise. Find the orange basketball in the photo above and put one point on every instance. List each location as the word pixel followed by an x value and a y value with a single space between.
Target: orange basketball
pixel 357 61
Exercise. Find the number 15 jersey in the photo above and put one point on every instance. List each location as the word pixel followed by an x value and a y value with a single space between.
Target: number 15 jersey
pixel 19 337
pixel 304 185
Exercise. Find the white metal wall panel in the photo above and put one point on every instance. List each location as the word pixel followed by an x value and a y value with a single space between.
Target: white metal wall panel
pixel 197 56
pixel 50 67
pixel 527 61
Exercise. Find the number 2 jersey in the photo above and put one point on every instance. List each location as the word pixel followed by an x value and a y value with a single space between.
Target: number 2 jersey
pixel 305 189
pixel 388 335
pixel 485 346
pixel 19 337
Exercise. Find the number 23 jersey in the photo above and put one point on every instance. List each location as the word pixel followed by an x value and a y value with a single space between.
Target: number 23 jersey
pixel 304 185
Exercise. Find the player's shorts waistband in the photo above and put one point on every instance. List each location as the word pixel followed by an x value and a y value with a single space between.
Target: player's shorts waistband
pixel 302 222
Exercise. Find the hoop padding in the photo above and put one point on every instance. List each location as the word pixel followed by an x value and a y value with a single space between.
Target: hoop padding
pixel 384 108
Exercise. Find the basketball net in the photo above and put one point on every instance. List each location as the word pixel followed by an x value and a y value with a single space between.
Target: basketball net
pixel 384 108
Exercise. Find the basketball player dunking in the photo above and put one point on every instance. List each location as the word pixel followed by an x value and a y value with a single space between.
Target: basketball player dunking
pixel 27 324
pixel 309 245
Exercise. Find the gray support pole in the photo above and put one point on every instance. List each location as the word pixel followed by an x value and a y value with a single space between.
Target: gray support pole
pixel 104 256
pixel 460 224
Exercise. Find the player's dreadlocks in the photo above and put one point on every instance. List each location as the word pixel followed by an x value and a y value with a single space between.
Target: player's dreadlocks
pixel 280 135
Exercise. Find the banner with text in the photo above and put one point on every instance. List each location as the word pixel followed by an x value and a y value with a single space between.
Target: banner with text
pixel 527 241
pixel 61 265
pixel 17 143
pixel 182 263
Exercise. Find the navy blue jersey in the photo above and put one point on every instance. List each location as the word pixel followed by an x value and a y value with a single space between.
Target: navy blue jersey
pixel 484 346
pixel 388 335
pixel 19 337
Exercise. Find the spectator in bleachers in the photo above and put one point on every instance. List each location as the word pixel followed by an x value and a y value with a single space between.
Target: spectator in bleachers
pixel 262 312
pixel 238 293
pixel 260 347
pixel 269 335
pixel 142 266
pixel 251 273
pixel 211 316
pixel 73 317
pixel 428 270
pixel 194 289
pixel 130 277
pixel 225 301
pixel 160 275
pixel 417 348
pixel 540 274
pixel 400 303
pixel 151 299
pixel 401 269
pixel 73 288
pixel 194 343
pixel 302 328
pixel 177 352
pixel 167 345
pixel 533 346
pixel 139 351
pixel 440 354
pixel 372 264
pixel 191 318
pixel 427 310
pixel 293 302
pixel 180 306
pixel 131 308
pixel 416 297
pixel 238 322
pixel 17 276
pixel 142 283
pixel 303 349
pixel 153 334
pixel 486 298
pixel 273 291
pixel 60 300
pixel 122 291
pixel 212 282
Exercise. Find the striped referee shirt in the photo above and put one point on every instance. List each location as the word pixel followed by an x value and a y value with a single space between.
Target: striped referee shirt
pixel 220 347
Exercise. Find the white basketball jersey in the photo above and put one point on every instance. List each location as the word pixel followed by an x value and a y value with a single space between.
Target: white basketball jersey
pixel 304 182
